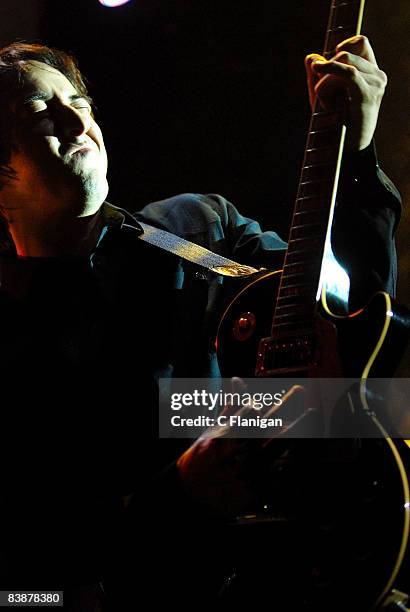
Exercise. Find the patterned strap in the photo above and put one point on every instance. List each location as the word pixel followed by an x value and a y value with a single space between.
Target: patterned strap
pixel 193 252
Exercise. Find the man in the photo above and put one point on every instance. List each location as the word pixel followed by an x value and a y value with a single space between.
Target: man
pixel 86 333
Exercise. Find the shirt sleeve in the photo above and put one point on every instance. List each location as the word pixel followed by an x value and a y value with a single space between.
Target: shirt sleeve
pixel 367 213
pixel 246 242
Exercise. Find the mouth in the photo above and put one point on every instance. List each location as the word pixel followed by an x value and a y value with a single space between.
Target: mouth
pixel 81 150
pixel 78 149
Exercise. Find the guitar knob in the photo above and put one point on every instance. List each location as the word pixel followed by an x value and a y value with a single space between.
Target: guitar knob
pixel 244 326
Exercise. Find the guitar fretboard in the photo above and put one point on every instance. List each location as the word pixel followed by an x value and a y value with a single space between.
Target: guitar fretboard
pixel 297 298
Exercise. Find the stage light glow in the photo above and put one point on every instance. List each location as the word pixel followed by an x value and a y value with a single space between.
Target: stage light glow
pixel 113 3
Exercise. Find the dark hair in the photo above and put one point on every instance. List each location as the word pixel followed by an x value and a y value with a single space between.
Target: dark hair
pixel 12 71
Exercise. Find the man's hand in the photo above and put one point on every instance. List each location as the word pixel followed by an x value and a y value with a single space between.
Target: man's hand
pixel 224 473
pixel 215 472
pixel 351 76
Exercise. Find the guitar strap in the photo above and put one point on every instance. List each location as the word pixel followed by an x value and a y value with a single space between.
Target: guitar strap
pixel 192 252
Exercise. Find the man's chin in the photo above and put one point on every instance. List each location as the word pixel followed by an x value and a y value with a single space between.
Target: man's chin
pixel 88 193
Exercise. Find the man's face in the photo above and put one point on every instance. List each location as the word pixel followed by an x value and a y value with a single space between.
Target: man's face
pixel 58 150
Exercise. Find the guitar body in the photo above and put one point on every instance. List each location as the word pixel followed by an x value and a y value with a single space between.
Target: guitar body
pixel 248 319
pixel 338 524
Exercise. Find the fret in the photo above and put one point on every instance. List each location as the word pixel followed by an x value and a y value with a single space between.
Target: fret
pixel 296 267
pixel 323 138
pixel 306 306
pixel 293 326
pixel 284 285
pixel 296 252
pixel 314 265
pixel 299 315
pixel 310 216
pixel 302 307
pixel 309 255
pixel 341 23
pixel 320 154
pixel 292 319
pixel 323 119
pixel 302 311
pixel 336 36
pixel 312 203
pixel 303 320
pixel 301 264
pixel 303 231
pixel 316 188
pixel 293 301
pixel 317 165
pixel 343 29
pixel 325 130
pixel 305 199
pixel 314 241
pixel 314 182
pixel 294 276
pixel 307 225
pixel 345 12
pixel 317 172
pixel 311 266
pixel 336 4
pixel 322 113
pixel 307 291
pixel 299 279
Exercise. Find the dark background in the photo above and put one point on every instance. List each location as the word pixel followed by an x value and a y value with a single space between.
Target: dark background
pixel 197 96
pixel 210 96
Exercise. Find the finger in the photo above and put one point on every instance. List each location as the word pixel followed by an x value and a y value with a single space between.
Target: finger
pixel 238 387
pixel 359 45
pixel 360 87
pixel 342 75
pixel 333 93
pixel 239 407
pixel 295 395
pixel 341 69
pixel 364 68
pixel 293 404
pixel 312 57
pixel 312 77
pixel 362 64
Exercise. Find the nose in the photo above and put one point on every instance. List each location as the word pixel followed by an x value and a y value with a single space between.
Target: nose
pixel 73 122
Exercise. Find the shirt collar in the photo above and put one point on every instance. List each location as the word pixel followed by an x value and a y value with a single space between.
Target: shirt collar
pixel 114 216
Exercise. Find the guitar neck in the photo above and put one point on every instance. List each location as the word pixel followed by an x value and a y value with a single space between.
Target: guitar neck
pixel 309 236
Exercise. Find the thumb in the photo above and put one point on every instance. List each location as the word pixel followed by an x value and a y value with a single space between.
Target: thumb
pixel 238 385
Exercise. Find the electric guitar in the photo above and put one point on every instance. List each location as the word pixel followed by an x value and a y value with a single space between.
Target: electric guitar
pixel 339 522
